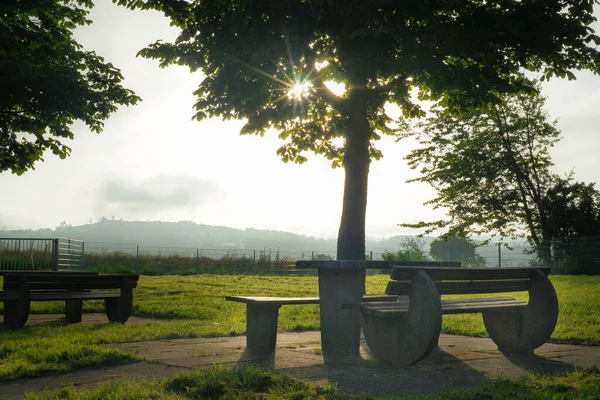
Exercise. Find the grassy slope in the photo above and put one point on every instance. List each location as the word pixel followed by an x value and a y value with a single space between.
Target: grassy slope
pixel 194 306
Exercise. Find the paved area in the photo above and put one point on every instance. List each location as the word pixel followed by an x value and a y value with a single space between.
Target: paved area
pixel 459 362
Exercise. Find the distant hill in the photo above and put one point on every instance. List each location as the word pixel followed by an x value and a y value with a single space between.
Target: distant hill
pixel 178 234
pixel 193 235
pixel 113 235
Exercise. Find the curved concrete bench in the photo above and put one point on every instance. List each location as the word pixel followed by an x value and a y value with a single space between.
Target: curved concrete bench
pixel 405 332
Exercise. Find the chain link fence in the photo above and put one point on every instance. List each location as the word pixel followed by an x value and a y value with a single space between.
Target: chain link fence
pixel 563 255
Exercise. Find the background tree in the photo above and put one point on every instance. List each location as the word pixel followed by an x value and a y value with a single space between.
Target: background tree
pixel 574 227
pixel 573 209
pixel 47 81
pixel 269 62
pixel 490 168
pixel 409 249
pixel 456 249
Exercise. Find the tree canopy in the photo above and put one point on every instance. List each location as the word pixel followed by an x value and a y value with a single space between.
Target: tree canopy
pixel 272 63
pixel 491 170
pixel 47 81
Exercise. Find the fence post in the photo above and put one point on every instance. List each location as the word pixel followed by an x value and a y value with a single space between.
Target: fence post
pixel 54 254
pixel 137 258
pixel 82 255
pixel 312 255
pixel 18 266
pixel 499 255
pixel 197 261
pixel 553 252
pixel 254 256
pixel 371 253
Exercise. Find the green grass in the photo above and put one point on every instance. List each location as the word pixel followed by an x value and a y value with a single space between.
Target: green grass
pixel 253 383
pixel 194 306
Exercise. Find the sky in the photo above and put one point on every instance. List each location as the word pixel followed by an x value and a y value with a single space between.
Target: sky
pixel 152 162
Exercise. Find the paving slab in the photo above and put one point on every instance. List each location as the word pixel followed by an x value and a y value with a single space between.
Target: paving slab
pixel 458 362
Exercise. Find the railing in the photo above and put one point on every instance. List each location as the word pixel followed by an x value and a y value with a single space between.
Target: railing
pixel 69 254
pixel 27 254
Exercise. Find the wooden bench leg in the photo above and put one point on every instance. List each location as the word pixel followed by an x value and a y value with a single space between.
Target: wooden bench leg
pixel 410 338
pixel 261 326
pixel 16 312
pixel 525 329
pixel 74 309
pixel 119 309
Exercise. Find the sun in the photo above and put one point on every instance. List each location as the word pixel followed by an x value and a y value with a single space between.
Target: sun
pixel 299 90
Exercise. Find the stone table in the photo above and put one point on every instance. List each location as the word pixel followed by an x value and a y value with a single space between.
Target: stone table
pixel 343 282
pixel 340 282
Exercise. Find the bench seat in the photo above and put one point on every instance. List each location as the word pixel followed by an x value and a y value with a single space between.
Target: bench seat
pixel 300 300
pixel 458 306
pixel 262 314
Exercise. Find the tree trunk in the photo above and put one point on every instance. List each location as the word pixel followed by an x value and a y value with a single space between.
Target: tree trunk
pixel 351 237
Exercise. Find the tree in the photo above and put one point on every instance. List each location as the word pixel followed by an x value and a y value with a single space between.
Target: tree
pixel 47 81
pixel 573 209
pixel 272 63
pixel 490 168
pixel 574 224
pixel 456 249
pixel 409 249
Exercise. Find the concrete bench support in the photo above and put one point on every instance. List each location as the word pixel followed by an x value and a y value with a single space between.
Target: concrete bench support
pixel 522 330
pixel 340 328
pixel 410 338
pixel 261 326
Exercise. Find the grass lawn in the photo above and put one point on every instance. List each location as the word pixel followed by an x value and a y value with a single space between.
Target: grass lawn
pixel 254 383
pixel 192 306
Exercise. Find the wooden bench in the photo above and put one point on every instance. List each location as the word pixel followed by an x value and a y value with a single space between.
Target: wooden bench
pixel 21 288
pixel 262 314
pixel 406 331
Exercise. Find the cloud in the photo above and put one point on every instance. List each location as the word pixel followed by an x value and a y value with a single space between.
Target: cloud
pixel 158 194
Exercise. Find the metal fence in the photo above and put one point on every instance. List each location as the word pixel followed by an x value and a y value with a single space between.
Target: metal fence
pixel 27 254
pixel 70 254
pixel 37 254
pixel 563 255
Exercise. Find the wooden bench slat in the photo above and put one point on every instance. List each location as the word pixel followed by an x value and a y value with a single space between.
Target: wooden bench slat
pixel 69 285
pixel 8 295
pixel 400 288
pixel 58 296
pixel 455 306
pixel 68 277
pixel 462 274
pixel 32 273
pixel 376 264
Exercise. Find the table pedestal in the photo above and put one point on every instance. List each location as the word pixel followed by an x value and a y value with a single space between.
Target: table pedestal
pixel 340 328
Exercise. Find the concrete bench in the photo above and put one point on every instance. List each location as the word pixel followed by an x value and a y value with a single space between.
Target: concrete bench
pixel 21 288
pixel 406 331
pixel 262 314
